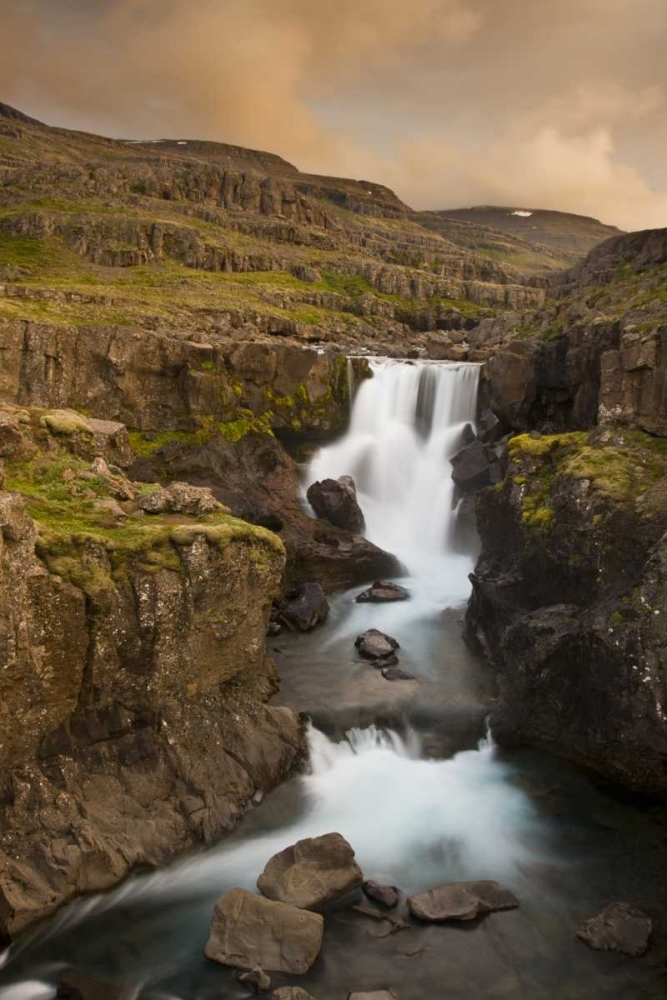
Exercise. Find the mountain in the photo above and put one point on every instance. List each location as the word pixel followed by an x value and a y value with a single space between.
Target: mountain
pixel 533 241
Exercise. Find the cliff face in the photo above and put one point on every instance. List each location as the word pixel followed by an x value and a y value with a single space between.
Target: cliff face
pixel 135 673
pixel 569 596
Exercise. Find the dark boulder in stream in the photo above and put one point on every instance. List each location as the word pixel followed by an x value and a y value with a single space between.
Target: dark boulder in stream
pixel 376 645
pixel 335 500
pixel 312 873
pixel 618 928
pixel 461 901
pixel 387 895
pixel 303 608
pixel 383 591
pixel 249 931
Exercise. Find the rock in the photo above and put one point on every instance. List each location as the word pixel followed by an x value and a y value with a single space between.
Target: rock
pixel 394 673
pixel 475 467
pixel 618 927
pixel 248 931
pixel 304 608
pixel 11 438
pixel 383 591
pixel 388 895
pixel 181 498
pixel 489 429
pixel 291 993
pixel 312 873
pixel 335 500
pixel 376 995
pixel 395 923
pixel 113 441
pixel 375 645
pixel 111 507
pixel 118 485
pixel 75 985
pixel 461 901
pixel 257 980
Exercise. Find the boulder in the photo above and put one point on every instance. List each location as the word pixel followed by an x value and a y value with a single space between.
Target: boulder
pixel 256 980
pixel 249 931
pixel 387 895
pixel 75 985
pixel 291 993
pixel 335 500
pixel 383 591
pixel 620 928
pixel 304 608
pixel 181 498
pixel 312 873
pixel 113 441
pixel 461 901
pixel 11 438
pixel 475 467
pixel 376 995
pixel 375 645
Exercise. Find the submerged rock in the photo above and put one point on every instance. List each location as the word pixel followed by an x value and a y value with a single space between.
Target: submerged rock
pixel 75 985
pixel 461 901
pixel 394 673
pixel 312 872
pixel 249 931
pixel 304 608
pixel 256 980
pixel 375 645
pixel 618 927
pixel 387 895
pixel 383 591
pixel 335 500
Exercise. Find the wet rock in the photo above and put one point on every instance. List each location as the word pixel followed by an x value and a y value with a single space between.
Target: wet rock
pixel 291 993
pixel 181 498
pixel 394 673
pixel 74 985
pixel 312 873
pixel 304 608
pixel 475 467
pixel 374 645
pixel 382 591
pixel 249 931
pixel 256 980
pixel 388 895
pixel 461 901
pixel 376 995
pixel 618 927
pixel 335 500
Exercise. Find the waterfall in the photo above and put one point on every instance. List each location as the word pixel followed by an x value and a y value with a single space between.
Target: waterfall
pixel 406 423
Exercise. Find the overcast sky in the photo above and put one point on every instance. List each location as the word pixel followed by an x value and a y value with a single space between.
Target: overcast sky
pixel 529 103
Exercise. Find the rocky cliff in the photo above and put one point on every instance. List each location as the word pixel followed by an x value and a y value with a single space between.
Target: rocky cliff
pixel 570 595
pixel 135 673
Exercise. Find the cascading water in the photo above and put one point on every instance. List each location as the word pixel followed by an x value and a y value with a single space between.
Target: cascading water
pixel 407 421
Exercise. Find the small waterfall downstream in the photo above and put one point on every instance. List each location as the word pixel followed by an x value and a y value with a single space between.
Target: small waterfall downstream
pixel 407 421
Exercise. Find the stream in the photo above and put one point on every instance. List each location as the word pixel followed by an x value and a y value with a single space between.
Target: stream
pixel 406 771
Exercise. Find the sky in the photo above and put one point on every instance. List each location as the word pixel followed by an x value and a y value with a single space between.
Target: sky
pixel 556 104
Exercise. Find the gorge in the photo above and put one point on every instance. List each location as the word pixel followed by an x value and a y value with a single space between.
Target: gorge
pixel 189 339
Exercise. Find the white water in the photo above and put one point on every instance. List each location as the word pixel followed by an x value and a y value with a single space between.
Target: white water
pixel 406 423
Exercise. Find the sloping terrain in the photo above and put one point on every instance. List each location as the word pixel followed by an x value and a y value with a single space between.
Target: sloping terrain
pixel 533 241
pixel 183 235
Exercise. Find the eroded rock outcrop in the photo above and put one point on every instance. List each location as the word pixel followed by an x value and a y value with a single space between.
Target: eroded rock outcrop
pixel 134 680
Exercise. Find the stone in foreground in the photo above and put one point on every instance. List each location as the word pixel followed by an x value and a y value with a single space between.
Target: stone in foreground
pixel 291 993
pixel 394 673
pixel 335 501
pixel 249 931
pixel 375 645
pixel 312 873
pixel 377 995
pixel 387 895
pixel 461 901
pixel 256 980
pixel 381 592
pixel 618 927
pixel 181 498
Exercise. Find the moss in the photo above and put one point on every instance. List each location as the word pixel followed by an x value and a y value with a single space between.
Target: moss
pixel 616 619
pixel 546 444
pixel 536 516
pixel 65 422
pixel 620 473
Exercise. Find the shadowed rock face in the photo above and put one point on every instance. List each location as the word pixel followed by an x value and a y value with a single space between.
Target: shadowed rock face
pixel 248 930
pixel 135 674
pixel 619 928
pixel 312 873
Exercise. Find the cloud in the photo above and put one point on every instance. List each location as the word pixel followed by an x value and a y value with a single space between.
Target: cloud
pixel 452 102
